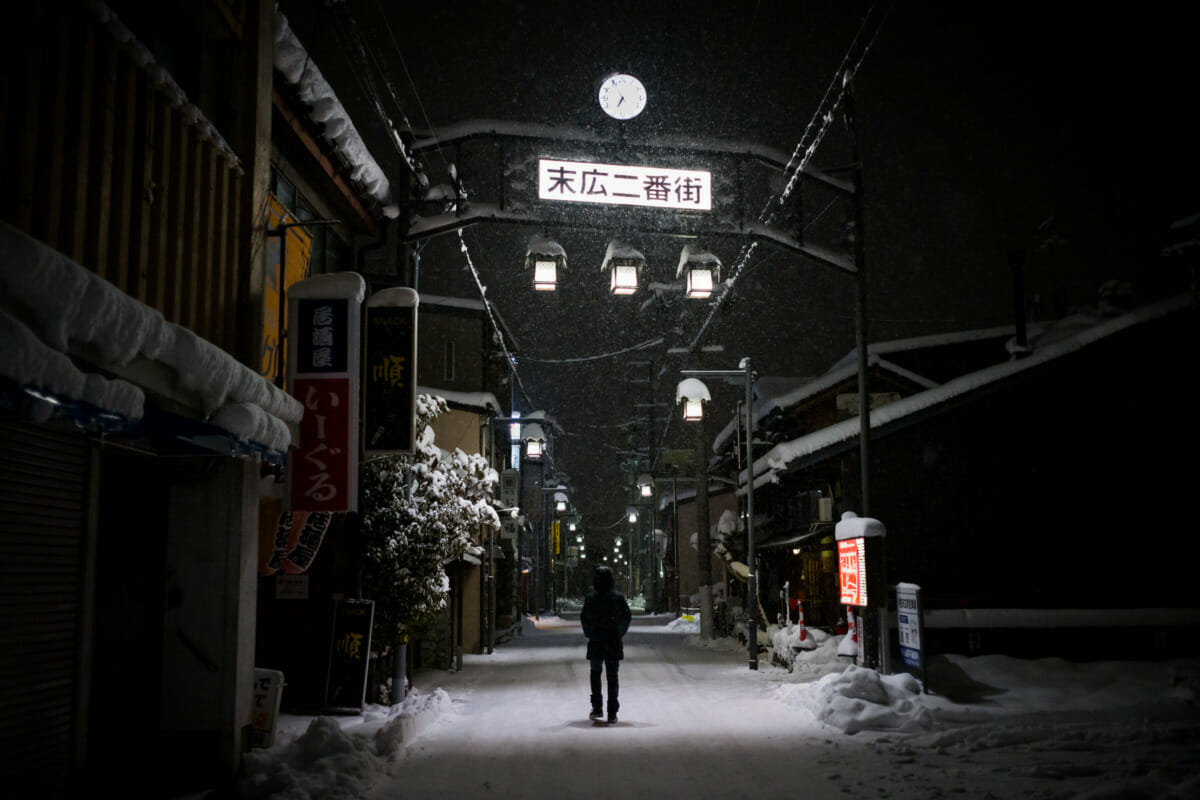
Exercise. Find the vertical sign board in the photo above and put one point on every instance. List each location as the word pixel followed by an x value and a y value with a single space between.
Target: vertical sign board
pixel 349 654
pixel 390 374
pixel 323 373
pixel 510 485
pixel 908 617
pixel 268 690
pixel 860 577
pixel 852 571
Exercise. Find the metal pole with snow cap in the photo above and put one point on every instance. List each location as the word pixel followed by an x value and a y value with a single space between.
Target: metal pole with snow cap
pixel 692 393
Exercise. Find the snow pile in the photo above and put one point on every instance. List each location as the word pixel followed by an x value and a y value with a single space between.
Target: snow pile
pixel 343 757
pixel 860 699
pixel 684 624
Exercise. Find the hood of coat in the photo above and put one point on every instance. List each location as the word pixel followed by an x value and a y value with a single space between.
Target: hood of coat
pixel 603 580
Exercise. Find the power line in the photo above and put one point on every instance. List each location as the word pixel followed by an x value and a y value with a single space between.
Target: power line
pixel 805 152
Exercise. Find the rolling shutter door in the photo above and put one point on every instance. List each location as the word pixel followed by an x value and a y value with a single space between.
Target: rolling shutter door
pixel 43 513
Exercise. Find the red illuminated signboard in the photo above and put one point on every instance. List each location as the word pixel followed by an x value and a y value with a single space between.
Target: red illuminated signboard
pixel 852 571
pixel 323 374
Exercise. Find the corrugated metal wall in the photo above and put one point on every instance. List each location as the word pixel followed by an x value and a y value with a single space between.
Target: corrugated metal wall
pixel 44 478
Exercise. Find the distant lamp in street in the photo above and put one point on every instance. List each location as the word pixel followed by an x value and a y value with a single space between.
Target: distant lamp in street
pixel 535 440
pixel 660 542
pixel 546 257
pixel 623 263
pixel 560 502
pixel 693 394
pixel 646 484
pixel 631 514
pixel 700 269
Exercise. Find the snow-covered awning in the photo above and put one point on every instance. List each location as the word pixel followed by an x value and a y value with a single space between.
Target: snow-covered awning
pixel 56 317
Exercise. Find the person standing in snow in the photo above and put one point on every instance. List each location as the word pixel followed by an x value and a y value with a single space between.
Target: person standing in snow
pixel 605 618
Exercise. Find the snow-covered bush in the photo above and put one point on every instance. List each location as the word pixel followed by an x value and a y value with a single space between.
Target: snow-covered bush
pixel 418 512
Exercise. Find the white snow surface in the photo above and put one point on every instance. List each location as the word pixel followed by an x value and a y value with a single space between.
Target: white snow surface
pixel 61 305
pixel 696 722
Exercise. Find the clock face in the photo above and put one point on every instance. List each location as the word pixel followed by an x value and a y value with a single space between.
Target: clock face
pixel 622 96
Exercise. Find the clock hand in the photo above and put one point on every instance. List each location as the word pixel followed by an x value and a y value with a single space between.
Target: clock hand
pixel 622 100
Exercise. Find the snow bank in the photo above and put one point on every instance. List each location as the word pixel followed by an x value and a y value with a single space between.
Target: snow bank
pixel 859 699
pixel 340 758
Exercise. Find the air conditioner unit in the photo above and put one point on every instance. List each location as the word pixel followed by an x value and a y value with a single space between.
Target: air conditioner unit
pixel 825 509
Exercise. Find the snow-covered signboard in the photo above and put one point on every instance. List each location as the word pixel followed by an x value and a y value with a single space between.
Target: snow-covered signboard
pixel 627 185
pixel 852 571
pixel 323 361
pixel 390 377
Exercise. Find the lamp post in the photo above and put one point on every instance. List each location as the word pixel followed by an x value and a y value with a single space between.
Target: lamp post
pixel 693 396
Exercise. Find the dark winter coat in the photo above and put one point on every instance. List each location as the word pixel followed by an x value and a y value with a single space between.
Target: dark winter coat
pixel 605 618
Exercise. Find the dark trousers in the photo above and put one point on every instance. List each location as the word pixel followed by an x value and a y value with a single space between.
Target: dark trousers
pixel 610 666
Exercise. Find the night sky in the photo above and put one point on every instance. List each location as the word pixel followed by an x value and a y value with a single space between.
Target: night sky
pixel 1065 133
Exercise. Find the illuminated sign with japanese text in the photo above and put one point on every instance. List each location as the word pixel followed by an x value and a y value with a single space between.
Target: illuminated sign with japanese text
pixel 852 571
pixel 390 374
pixel 614 184
pixel 323 374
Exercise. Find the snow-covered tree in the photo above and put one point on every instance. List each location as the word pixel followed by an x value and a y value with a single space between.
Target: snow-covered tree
pixel 418 512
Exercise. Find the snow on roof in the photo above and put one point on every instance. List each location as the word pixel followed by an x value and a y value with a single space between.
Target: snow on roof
pixel 30 362
pixel 483 401
pixel 778 459
pixel 815 387
pixel 297 67
pixel 621 251
pixel 932 340
pixel 64 305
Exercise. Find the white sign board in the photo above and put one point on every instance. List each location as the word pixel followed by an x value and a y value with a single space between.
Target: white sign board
pixel 908 617
pixel 626 185
pixel 510 481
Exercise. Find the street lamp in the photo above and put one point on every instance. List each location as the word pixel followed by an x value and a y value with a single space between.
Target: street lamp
pixel 546 257
pixel 687 391
pixel 560 502
pixel 693 394
pixel 701 270
pixel 535 440
pixel 623 263
pixel 645 484
pixel 632 515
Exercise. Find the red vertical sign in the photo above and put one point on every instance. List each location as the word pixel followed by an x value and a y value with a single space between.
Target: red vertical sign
pixel 323 374
pixel 852 564
pixel 321 464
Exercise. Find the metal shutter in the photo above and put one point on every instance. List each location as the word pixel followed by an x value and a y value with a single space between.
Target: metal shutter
pixel 43 497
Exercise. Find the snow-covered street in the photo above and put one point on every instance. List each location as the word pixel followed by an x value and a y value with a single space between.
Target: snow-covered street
pixel 695 721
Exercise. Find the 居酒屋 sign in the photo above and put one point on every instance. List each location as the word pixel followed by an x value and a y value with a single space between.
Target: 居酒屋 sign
pixel 323 373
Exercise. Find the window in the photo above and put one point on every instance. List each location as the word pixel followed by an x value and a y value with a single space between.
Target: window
pixel 329 252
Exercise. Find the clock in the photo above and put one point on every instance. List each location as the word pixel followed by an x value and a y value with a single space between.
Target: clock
pixel 622 96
